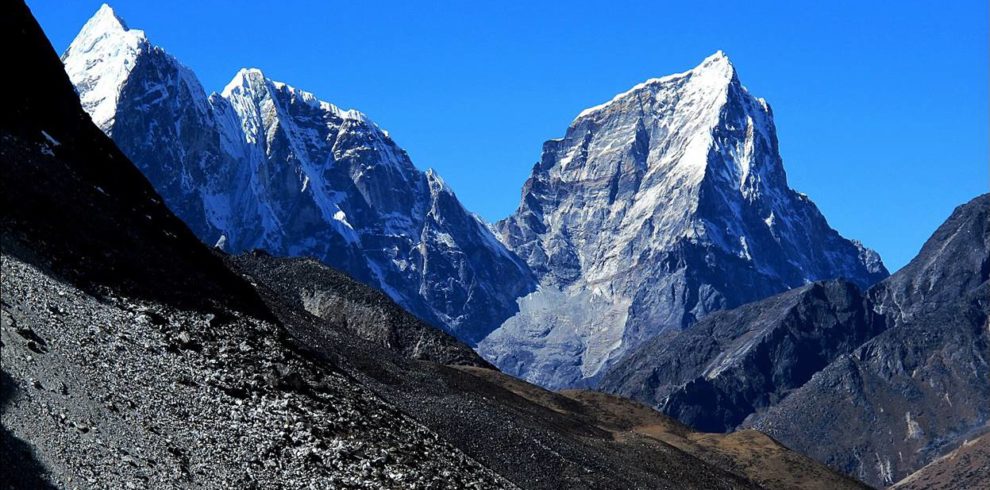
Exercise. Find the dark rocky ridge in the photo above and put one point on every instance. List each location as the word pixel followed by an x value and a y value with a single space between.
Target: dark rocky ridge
pixel 82 206
pixel 532 445
pixel 904 366
pixel 735 363
pixel 133 358
pixel 126 393
pixel 920 388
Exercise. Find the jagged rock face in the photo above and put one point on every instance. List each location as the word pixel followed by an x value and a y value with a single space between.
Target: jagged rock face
pixel 920 388
pixel 265 165
pixel 655 209
pixel 952 264
pixel 735 363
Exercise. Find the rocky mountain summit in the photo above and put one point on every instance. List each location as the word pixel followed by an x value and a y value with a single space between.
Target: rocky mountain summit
pixel 875 384
pixel 263 165
pixel 655 209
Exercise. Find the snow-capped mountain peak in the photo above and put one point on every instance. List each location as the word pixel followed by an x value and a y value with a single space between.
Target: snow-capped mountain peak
pixel 719 62
pixel 710 77
pixel 99 61
pixel 243 78
pixel 263 102
pixel 683 110
pixel 105 20
pixel 666 203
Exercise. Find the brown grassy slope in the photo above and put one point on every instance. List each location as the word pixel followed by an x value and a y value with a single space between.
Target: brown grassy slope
pixel 749 453
pixel 966 467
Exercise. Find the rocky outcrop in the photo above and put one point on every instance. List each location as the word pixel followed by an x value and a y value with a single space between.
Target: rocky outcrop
pixel 347 305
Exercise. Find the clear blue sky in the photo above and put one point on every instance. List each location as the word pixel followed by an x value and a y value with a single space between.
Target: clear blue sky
pixel 881 107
